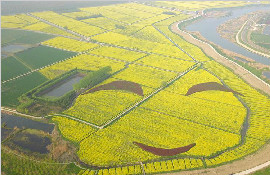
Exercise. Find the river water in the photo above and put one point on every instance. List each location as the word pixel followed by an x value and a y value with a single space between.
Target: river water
pixel 208 29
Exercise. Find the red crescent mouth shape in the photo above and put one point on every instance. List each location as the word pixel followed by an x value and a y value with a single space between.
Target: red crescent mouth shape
pixel 165 152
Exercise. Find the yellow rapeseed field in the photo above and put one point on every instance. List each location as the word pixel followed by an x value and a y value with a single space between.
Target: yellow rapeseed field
pixel 136 41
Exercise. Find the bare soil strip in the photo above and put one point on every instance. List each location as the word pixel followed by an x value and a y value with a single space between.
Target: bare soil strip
pixel 165 152
pixel 119 85
pixel 237 69
pixel 209 86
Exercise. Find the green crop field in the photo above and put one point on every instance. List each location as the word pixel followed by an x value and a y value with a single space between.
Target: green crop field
pixel 262 172
pixel 13 89
pixel 41 56
pixel 260 38
pixel 11 68
pixel 29 166
pixel 267 46
pixel 11 36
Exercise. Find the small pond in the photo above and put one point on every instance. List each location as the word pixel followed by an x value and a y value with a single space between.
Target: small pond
pixel 11 121
pixel 32 142
pixel 14 48
pixel 63 88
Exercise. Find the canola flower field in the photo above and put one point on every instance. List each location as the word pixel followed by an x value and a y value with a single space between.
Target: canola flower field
pixel 136 41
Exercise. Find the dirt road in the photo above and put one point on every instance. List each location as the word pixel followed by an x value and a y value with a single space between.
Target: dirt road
pixel 249 162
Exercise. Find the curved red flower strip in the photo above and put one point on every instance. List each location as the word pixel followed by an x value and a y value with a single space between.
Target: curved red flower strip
pixel 209 86
pixel 119 85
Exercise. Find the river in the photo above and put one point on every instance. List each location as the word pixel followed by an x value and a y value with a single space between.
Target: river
pixel 208 29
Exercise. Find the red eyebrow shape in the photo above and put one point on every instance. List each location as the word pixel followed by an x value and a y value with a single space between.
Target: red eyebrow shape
pixel 209 86
pixel 165 152
pixel 119 85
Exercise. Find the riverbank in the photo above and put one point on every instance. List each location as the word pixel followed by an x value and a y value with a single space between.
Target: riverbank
pixel 249 77
pixel 258 69
pixel 244 45
pixel 239 31
pixel 208 29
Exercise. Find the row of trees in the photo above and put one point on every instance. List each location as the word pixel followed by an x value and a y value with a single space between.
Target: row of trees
pixel 93 78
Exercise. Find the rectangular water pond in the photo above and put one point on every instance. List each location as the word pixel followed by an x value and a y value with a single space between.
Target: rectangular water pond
pixel 62 88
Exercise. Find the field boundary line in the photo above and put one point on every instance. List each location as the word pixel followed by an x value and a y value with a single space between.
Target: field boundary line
pixel 55 25
pixel 189 120
pixel 18 113
pixel 138 64
pixel 120 115
pixel 35 70
pixel 142 168
pixel 38 31
pixel 196 61
pixel 21 61
pixel 74 118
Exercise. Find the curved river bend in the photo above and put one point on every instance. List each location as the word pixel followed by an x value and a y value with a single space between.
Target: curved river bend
pixel 208 29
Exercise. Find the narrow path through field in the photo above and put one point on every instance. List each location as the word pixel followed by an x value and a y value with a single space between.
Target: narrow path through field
pixel 21 61
pixel 126 111
pixel 76 119
pixel 34 70
pixel 5 109
pixel 54 25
